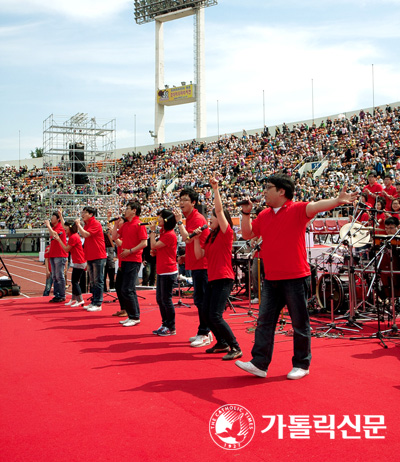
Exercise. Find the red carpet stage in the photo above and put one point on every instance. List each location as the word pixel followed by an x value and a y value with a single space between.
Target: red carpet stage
pixel 78 386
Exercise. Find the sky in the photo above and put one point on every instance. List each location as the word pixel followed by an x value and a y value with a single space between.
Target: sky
pixel 265 60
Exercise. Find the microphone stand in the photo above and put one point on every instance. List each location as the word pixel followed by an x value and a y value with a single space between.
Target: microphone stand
pixel 179 302
pixel 333 325
pixel 249 258
pixel 379 334
pixel 312 301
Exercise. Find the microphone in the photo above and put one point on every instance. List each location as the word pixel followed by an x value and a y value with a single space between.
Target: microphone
pixel 144 224
pixel 115 219
pixel 246 202
pixel 195 234
pixel 59 234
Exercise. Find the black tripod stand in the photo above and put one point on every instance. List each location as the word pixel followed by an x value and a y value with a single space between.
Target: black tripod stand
pixel 179 302
pixel 387 246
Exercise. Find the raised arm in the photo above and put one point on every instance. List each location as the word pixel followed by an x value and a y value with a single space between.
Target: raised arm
pixel 67 248
pixel 81 231
pixel 219 211
pixel 153 243
pixel 198 251
pixel 328 204
pixel 247 229
pixel 62 221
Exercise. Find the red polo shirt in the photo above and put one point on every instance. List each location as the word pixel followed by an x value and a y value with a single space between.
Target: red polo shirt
pixel 56 251
pixel 391 190
pixel 132 234
pixel 219 256
pixel 166 256
pixel 194 221
pixel 94 246
pixel 283 249
pixel 376 188
pixel 77 254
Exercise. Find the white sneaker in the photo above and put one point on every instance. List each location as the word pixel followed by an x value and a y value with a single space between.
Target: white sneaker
pixel 297 373
pixel 251 368
pixel 71 302
pixel 81 303
pixel 124 321
pixel 88 306
pixel 254 301
pixel 202 340
pixel 131 322
pixel 94 308
pixel 198 337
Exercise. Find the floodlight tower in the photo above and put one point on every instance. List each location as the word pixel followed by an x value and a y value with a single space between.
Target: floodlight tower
pixel 162 11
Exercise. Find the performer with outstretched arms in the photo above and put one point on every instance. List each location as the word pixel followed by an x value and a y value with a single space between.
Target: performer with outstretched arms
pixel 218 251
pixel 282 227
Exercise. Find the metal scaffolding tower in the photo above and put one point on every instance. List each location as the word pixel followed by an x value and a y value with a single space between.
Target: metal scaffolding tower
pixel 80 165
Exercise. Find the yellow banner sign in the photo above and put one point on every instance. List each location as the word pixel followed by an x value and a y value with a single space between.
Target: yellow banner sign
pixel 176 95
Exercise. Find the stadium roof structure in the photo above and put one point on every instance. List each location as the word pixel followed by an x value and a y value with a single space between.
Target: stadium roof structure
pixel 148 10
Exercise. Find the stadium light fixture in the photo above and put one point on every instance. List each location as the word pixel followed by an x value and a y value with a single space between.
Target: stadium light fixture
pixel 148 10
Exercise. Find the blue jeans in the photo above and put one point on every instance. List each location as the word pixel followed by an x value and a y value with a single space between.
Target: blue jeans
pixel 95 270
pixel 49 283
pixel 57 272
pixel 125 286
pixel 274 296
pixel 200 280
pixel 215 299
pixel 165 284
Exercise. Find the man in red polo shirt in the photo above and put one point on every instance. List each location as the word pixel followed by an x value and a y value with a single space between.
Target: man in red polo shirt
pixel 134 240
pixel 95 254
pixel 194 219
pixel 389 192
pixel 58 257
pixel 282 227
pixel 373 188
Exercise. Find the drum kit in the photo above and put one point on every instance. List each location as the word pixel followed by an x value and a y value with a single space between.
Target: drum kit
pixel 359 279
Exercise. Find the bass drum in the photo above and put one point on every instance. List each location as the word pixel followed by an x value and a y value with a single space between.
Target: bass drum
pixel 340 287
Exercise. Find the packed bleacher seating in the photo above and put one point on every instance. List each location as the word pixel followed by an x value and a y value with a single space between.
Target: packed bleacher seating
pixel 350 146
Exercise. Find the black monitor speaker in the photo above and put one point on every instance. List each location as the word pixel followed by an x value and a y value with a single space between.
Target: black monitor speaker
pixel 77 159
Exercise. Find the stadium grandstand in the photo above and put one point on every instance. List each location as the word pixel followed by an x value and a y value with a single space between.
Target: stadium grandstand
pixel 321 156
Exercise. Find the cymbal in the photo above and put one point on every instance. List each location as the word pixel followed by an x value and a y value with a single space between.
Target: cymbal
pixel 356 233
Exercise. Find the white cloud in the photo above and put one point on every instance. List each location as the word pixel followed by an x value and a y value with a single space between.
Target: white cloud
pixel 283 62
pixel 88 10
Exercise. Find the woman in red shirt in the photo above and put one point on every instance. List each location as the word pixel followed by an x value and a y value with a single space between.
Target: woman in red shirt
pixel 395 208
pixel 380 214
pixel 218 251
pixel 74 246
pixel 166 269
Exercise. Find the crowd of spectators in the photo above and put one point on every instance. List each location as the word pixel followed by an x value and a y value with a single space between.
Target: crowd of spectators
pixel 350 147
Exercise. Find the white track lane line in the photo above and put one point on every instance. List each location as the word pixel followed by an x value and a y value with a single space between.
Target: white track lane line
pixel 25 270
pixel 24 261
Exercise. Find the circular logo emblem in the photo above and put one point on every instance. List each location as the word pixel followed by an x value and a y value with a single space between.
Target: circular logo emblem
pixel 232 427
